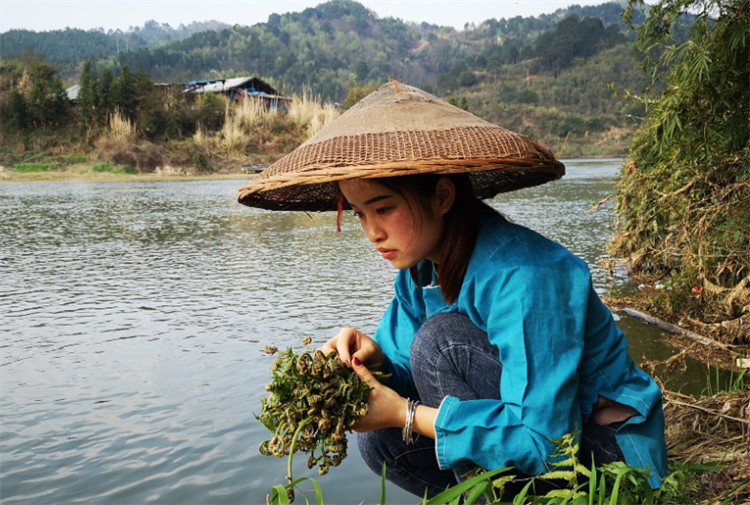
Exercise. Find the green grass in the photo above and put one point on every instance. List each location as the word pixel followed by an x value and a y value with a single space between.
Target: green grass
pixel 31 167
pixel 610 484
pixel 114 169
pixel 734 383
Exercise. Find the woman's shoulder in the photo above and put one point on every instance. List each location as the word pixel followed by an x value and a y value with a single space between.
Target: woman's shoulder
pixel 503 245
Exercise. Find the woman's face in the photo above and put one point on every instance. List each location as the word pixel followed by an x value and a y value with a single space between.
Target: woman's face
pixel 402 235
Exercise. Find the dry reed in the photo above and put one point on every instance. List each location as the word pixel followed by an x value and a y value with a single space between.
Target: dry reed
pixel 250 112
pixel 25 83
pixel 206 141
pixel 233 138
pixel 322 116
pixel 121 129
pixel 303 107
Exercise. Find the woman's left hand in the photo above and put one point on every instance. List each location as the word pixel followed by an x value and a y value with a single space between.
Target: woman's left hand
pixel 387 408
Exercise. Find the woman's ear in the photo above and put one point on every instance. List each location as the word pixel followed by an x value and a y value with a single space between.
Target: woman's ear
pixel 445 194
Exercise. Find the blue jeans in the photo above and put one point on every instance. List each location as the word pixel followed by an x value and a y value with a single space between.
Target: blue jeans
pixel 450 356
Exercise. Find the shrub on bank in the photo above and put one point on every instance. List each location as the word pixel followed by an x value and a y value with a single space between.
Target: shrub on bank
pixel 31 167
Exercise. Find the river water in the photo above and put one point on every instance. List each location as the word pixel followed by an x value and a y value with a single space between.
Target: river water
pixel 133 317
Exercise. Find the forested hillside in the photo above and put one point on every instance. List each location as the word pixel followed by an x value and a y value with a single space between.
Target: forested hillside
pixel 70 46
pixel 546 76
pixel 326 47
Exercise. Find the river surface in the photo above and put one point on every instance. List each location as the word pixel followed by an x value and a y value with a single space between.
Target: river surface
pixel 133 317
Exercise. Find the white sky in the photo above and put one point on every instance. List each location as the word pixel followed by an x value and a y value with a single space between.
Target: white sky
pixel 43 15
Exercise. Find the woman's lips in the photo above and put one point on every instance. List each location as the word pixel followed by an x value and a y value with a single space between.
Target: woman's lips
pixel 387 253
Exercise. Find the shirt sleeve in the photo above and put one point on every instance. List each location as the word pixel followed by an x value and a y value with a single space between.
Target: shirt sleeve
pixel 395 335
pixel 535 314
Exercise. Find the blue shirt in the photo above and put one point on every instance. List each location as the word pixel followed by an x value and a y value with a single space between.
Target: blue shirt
pixel 559 347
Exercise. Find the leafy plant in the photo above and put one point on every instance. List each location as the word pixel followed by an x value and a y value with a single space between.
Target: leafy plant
pixel 313 400
pixel 609 484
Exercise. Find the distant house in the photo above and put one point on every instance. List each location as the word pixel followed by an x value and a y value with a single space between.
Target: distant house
pixel 238 89
pixel 72 93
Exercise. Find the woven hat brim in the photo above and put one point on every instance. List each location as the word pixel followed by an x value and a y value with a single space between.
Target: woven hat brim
pixel 496 159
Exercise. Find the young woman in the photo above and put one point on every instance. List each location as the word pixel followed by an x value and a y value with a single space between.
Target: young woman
pixel 496 340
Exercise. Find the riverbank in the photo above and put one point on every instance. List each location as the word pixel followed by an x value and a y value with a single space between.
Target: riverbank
pixel 88 172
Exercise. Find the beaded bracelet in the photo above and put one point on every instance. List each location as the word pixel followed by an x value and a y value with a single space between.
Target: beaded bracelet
pixel 411 408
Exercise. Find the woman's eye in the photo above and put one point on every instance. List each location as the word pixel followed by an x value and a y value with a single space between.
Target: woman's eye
pixel 383 210
pixel 356 214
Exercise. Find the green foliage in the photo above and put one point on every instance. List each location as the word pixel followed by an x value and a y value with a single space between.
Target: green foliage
pixel 47 101
pixel 123 94
pixel 461 103
pixel 609 484
pixel 576 38
pixel 104 167
pixel 111 168
pixel 57 45
pixel 89 99
pixel 703 113
pixel 357 93
pixel 19 116
pixel 31 167
pixel 201 163
pixel 735 382
pixel 684 201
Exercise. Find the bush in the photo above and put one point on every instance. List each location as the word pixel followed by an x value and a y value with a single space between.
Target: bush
pixel 527 96
pixel 31 167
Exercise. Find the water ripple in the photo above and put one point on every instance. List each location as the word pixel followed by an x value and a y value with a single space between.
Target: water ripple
pixel 134 317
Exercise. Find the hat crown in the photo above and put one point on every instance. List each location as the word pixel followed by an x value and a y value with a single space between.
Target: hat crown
pixel 397 107
pixel 401 130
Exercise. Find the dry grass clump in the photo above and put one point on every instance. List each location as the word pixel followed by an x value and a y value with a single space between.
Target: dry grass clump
pixel 25 83
pixel 302 108
pixel 322 116
pixel 121 129
pixel 712 429
pixel 252 112
pixel 308 111
pixel 233 137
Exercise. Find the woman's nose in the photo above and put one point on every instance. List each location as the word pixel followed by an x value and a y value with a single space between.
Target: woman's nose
pixel 374 232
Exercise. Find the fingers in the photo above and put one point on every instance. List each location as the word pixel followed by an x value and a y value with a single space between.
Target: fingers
pixel 350 343
pixel 346 343
pixel 363 372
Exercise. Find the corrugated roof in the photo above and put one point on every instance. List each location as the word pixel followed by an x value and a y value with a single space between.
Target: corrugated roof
pixel 72 92
pixel 219 86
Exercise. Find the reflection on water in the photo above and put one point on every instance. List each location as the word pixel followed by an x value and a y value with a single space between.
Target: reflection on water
pixel 134 316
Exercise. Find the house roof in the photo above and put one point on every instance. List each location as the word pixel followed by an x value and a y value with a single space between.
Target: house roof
pixel 72 92
pixel 251 84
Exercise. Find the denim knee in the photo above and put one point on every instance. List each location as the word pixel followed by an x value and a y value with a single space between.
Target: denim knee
pixel 451 356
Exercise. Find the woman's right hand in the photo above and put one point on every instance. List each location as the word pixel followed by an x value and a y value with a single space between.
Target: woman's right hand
pixel 350 344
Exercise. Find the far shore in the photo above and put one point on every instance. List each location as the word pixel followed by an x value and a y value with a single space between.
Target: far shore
pixel 69 176
pixel 86 173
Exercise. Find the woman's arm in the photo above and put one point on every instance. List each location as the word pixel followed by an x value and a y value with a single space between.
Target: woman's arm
pixel 388 408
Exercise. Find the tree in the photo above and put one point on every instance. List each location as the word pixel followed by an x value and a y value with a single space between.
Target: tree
pixel 123 95
pixel 89 99
pixel 18 111
pixel 362 70
pixel 47 99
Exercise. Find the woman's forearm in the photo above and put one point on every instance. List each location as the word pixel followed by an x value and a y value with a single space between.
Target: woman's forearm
pixel 424 421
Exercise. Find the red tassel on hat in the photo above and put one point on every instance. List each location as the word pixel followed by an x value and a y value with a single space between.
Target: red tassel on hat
pixel 341 208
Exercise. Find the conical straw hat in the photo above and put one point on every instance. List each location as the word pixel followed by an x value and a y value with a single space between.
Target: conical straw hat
pixel 400 130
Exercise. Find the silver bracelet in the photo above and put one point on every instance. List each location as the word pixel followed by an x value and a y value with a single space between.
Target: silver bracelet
pixel 411 408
